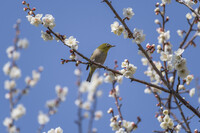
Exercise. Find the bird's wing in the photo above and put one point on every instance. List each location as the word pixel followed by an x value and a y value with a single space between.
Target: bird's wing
pixel 91 58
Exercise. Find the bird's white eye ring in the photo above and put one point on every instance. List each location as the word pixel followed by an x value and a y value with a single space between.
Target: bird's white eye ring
pixel 107 44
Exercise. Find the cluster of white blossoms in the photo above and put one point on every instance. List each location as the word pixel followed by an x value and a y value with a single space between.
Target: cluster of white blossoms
pixel 61 92
pixel 49 21
pixel 138 35
pixel 192 92
pixel 151 73
pixel 57 130
pixel 8 122
pixel 128 69
pixel 110 77
pixel 188 2
pixel 166 1
pixel 120 126
pixel 118 29
pixel 128 12
pixel 163 37
pixel 18 112
pixel 36 74
pixel 179 64
pixel 114 92
pixel 98 114
pixel 43 118
pixel 167 122
pixel 180 33
pixel 10 69
pixel 90 88
pixel 61 97
pixel 71 42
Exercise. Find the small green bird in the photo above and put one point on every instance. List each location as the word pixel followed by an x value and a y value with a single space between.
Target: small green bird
pixel 99 55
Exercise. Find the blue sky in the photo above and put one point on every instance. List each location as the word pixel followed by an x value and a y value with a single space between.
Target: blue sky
pixel 89 22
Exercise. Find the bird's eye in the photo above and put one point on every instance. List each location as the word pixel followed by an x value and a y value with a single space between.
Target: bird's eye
pixel 107 44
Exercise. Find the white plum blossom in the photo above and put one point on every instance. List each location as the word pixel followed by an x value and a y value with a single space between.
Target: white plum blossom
pixel 129 69
pixel 51 103
pixel 165 56
pixel 164 36
pixel 183 73
pixel 115 92
pixel 189 78
pixel 99 93
pixel 7 122
pixel 84 86
pixel 144 61
pixel 98 115
pixel 121 130
pixel 178 128
pixel 116 28
pixel 6 68
pixel 61 92
pixel 77 72
pixel 189 2
pixel 125 33
pixel 198 25
pixel 110 77
pixel 114 125
pixel 188 16
pixel 179 52
pixel 181 64
pixel 12 53
pixel 18 112
pixel 43 118
pixel 78 103
pixel 49 21
pixel 139 37
pixel 10 50
pixel 128 12
pixel 165 112
pixel 35 20
pixel 15 55
pixel 23 43
pixel 72 56
pixel 8 85
pixel 35 75
pixel 15 72
pixel 86 105
pixel 167 123
pixel 71 42
pixel 181 87
pixel 156 21
pixel 192 92
pixel 159 118
pixel 147 91
pixel 46 36
pixel 127 125
pixel 180 33
pixel 166 1
pixel 13 129
pixel 57 130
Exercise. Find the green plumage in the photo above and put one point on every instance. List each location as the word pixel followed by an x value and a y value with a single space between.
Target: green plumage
pixel 99 55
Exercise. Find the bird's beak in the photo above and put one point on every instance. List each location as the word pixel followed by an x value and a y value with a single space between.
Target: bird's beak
pixel 112 46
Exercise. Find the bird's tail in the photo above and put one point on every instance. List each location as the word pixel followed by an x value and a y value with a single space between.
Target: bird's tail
pixel 90 74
